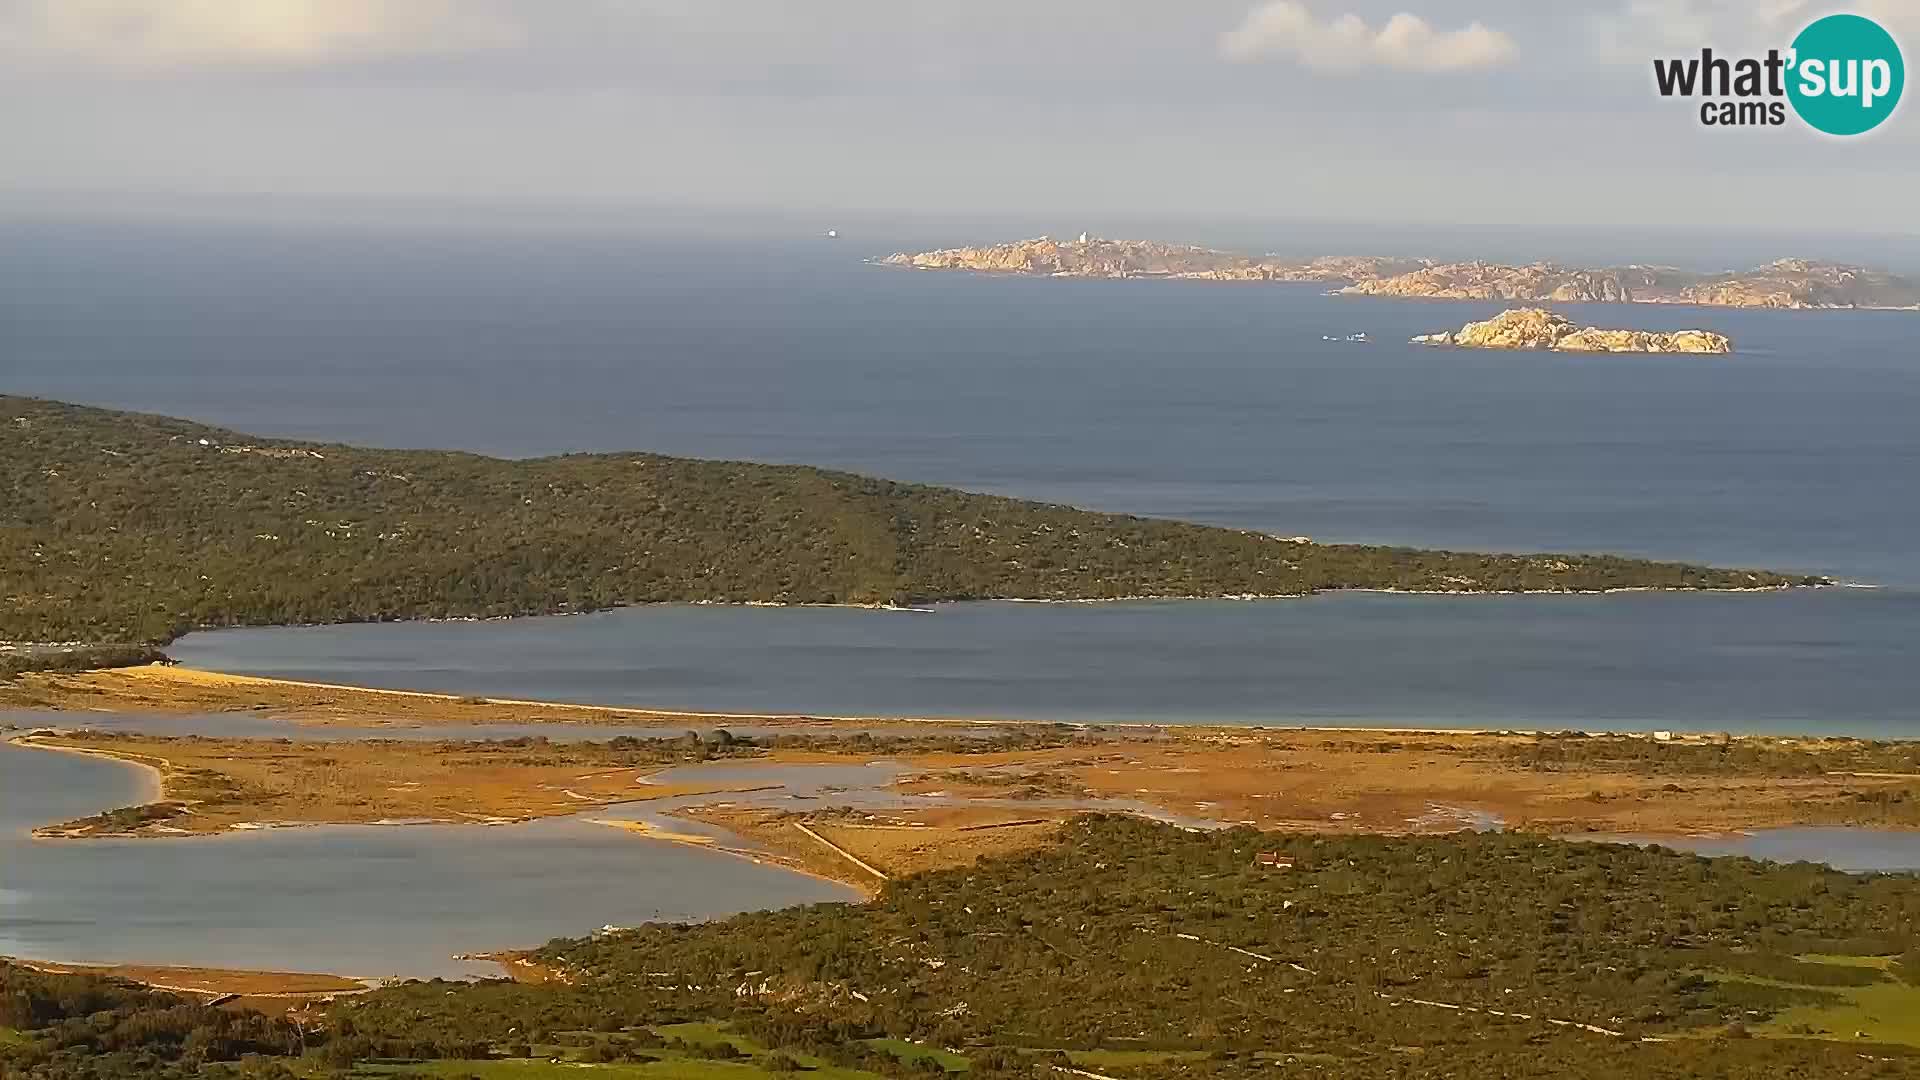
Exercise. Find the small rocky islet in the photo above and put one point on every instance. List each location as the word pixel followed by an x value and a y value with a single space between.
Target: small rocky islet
pixel 1538 328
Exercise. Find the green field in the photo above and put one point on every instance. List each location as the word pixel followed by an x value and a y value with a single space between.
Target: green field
pixel 909 1051
pixel 707 1033
pixel 667 1063
pixel 1886 1009
pixel 667 1068
pixel 1125 1059
pixel 1135 950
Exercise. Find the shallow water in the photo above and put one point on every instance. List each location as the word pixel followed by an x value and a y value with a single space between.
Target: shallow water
pixel 373 901
pixel 1835 661
pixel 377 901
pixel 246 725
pixel 1218 404
pixel 1844 848
pixel 358 900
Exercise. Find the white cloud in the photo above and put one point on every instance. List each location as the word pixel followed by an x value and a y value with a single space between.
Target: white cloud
pixel 1406 41
pixel 171 34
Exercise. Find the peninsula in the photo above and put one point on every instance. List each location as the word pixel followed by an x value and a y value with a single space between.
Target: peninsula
pixel 123 527
pixel 1320 781
pixel 1538 328
pixel 1785 283
pixel 1120 948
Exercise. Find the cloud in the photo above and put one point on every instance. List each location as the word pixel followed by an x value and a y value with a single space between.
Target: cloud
pixel 171 34
pixel 1407 42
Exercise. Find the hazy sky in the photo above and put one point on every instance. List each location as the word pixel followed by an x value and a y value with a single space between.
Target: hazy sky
pixel 1524 111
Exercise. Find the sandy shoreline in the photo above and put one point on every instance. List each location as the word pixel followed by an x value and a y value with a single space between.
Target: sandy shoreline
pixel 1343 780
pixel 153 769
pixel 178 690
pixel 206 982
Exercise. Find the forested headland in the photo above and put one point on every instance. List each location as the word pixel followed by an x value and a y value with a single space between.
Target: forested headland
pixel 131 528
pixel 1132 949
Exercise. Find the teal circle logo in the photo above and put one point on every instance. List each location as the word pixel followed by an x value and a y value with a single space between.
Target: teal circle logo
pixel 1847 75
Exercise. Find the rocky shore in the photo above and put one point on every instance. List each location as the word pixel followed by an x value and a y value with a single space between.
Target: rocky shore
pixel 1798 284
pixel 1091 256
pixel 1538 328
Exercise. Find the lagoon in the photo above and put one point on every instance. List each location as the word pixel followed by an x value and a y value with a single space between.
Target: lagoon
pixel 379 901
pixel 1837 661
pixel 365 901
pixel 1216 403
pixel 1855 850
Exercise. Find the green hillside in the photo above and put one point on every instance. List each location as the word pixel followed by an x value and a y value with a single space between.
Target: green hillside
pixel 1137 951
pixel 119 526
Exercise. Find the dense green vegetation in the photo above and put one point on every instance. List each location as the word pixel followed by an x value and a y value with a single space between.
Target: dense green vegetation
pixel 83 1027
pixel 1081 944
pixel 1141 950
pixel 1725 756
pixel 77 658
pixel 124 527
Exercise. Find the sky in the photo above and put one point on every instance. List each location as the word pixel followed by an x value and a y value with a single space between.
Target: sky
pixel 1421 111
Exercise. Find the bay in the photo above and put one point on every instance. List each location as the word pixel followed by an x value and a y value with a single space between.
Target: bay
pixel 1214 402
pixel 366 901
pixel 1838 661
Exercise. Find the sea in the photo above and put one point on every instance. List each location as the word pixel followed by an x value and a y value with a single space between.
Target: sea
pixel 1234 404
pixel 1213 402
pixel 1219 403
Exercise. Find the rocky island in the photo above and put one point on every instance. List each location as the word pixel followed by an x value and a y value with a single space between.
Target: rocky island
pixel 1091 256
pixel 1786 283
pixel 1538 328
pixel 1798 284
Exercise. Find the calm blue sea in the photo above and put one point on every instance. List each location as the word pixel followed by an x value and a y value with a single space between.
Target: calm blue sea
pixel 1214 402
pixel 1218 403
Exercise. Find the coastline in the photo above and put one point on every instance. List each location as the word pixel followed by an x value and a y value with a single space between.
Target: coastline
pixel 1346 291
pixel 770 857
pixel 153 769
pixel 1343 287
pixel 1808 581
pixel 115 690
pixel 180 690
pixel 297 986
pixel 1213 764
pixel 1400 775
pixel 180 805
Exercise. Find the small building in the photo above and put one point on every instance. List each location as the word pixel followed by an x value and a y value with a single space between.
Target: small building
pixel 1273 860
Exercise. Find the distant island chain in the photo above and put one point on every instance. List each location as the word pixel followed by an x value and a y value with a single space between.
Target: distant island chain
pixel 1795 284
